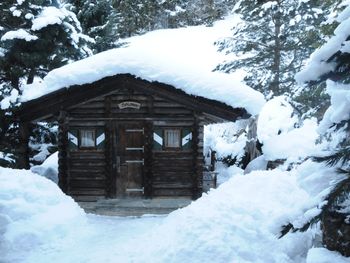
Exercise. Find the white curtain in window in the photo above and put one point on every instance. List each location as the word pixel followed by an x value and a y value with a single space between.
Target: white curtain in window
pixel 172 138
pixel 87 138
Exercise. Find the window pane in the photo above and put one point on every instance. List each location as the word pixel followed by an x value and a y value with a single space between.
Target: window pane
pixel 172 138
pixel 87 138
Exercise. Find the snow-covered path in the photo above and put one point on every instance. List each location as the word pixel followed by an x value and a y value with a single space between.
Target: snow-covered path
pixel 102 239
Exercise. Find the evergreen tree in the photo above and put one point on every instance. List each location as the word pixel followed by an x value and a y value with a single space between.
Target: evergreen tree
pixel 331 64
pixel 272 42
pixel 36 36
pixel 180 13
pixel 136 17
pixel 99 20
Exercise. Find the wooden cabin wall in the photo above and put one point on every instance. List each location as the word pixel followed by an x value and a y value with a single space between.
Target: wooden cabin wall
pixel 175 173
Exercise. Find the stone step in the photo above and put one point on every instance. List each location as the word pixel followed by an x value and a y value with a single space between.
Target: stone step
pixel 134 207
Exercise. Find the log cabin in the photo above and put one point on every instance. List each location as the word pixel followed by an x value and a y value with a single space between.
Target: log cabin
pixel 122 136
pixel 131 119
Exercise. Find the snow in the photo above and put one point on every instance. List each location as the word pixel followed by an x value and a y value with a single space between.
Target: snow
pixel 317 64
pixel 49 16
pixel 49 168
pixel 6 102
pixel 293 145
pixel 339 109
pixel 238 222
pixel 225 138
pixel 322 255
pixel 183 58
pixel 33 212
pixel 259 163
pixel 281 138
pixel 275 117
pixel 18 34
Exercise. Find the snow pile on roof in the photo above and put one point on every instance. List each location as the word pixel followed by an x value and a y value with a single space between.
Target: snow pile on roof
pixel 183 58
pixel 33 211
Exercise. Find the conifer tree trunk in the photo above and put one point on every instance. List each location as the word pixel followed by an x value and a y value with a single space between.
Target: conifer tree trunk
pixel 277 55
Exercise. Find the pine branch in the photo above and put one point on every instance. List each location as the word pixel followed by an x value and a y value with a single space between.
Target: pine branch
pixel 342 187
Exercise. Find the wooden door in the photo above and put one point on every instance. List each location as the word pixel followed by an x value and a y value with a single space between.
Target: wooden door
pixel 129 159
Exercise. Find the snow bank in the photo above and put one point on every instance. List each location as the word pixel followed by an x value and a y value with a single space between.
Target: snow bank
pixel 183 58
pixel 33 211
pixel 49 168
pixel 322 255
pixel 238 222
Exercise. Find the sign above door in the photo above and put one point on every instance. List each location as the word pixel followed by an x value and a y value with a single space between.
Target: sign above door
pixel 129 105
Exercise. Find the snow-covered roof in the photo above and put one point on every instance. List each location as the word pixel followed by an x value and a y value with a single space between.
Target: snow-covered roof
pixel 184 58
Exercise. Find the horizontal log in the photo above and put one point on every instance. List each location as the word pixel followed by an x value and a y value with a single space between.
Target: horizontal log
pixel 87 164
pixel 83 122
pixel 172 161
pixel 81 115
pixel 79 176
pixel 74 183
pixel 172 192
pixel 90 105
pixel 178 185
pixel 84 191
pixel 167 104
pixel 86 198
pixel 169 179
pixel 135 97
pixel 87 154
pixel 83 111
pixel 174 111
pixel 90 170
pixel 181 154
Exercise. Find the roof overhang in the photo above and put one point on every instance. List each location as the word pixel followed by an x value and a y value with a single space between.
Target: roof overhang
pixel 51 104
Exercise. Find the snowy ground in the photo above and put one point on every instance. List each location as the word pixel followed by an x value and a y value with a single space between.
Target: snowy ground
pixel 238 222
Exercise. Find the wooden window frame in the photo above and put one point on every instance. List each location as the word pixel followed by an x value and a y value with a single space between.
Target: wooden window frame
pixel 80 139
pixel 165 147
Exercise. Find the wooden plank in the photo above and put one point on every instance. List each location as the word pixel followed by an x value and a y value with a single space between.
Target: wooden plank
pixel 87 184
pixel 80 176
pixel 83 170
pixel 172 192
pixel 84 191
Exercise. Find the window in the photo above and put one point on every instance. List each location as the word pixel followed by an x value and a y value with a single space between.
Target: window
pixel 87 138
pixel 172 138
